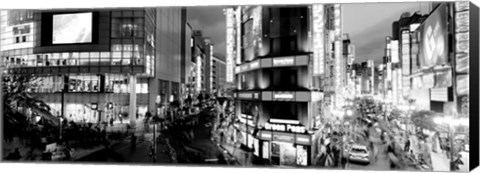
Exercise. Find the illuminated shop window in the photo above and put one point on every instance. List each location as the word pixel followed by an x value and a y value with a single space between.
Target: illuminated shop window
pixel 142 88
pixel 84 83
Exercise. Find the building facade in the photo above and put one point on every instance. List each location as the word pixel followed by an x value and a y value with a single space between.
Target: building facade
pixel 281 74
pixel 97 64
pixel 219 72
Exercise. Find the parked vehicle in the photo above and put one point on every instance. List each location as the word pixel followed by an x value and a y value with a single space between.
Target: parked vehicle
pixel 359 153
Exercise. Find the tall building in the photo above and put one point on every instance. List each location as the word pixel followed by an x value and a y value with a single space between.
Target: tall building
pixel 286 59
pixel 187 63
pixel 219 71
pixel 205 60
pixel 97 63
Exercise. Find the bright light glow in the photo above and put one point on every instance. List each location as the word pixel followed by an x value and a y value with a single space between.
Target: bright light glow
pixel 72 28
pixel 349 112
pixel 38 118
pixel 283 96
pixel 284 121
pixel 283 61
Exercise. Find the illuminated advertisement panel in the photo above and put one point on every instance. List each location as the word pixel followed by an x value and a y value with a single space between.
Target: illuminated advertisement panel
pixel 318 39
pixel 433 39
pixel 72 28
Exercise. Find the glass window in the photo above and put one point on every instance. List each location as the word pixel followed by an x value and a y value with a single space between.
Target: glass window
pixel 127 54
pixel 117 47
pixel 94 55
pixel 84 55
pixel 127 47
pixel 138 13
pixel 105 54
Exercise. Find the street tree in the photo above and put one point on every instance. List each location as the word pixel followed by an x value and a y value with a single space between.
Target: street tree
pixel 424 119
pixel 17 99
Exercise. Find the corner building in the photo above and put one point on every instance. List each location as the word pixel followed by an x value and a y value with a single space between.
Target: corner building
pixel 278 93
pixel 96 64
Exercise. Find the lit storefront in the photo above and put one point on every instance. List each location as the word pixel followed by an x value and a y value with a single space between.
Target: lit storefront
pixel 87 71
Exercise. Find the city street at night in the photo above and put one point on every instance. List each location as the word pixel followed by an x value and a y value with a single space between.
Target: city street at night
pixel 356 86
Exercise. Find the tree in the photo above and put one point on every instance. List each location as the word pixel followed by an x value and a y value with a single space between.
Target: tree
pixel 423 119
pixel 17 98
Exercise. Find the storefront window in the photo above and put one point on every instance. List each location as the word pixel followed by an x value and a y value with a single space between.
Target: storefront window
pixel 84 83
pixel 142 88
pixel 283 154
pixel 80 112
pixel 266 150
pixel 302 155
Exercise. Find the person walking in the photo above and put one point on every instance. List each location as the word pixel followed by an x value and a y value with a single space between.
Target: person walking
pixel 407 145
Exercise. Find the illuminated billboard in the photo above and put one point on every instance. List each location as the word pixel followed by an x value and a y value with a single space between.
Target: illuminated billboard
pixel 72 28
pixel 433 46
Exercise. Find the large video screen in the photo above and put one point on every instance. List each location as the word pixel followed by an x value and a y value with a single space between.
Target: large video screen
pixel 72 28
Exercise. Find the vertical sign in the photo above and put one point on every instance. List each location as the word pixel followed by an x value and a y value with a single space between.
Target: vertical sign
pixel 238 42
pixel 199 73
pixel 337 21
pixel 318 39
pixel 257 30
pixel 405 61
pixel 230 20
pixel 462 56
pixel 338 74
pixel 395 86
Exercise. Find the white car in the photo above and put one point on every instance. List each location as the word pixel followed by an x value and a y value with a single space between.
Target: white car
pixel 359 153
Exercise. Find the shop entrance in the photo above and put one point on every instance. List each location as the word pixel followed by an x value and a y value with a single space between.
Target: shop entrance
pixel 288 154
pixel 283 154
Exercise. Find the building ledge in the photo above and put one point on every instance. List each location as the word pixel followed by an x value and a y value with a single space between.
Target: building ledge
pixel 119 69
pixel 290 96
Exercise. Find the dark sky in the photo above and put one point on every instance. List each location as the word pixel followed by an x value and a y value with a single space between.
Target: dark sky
pixel 212 22
pixel 367 24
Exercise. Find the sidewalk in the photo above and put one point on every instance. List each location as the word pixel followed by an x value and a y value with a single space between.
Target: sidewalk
pixel 237 154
